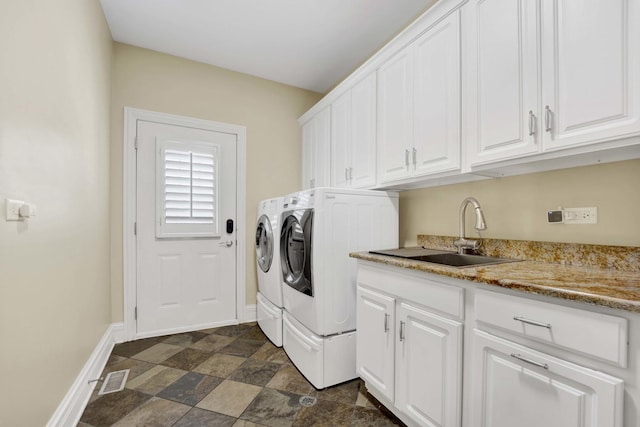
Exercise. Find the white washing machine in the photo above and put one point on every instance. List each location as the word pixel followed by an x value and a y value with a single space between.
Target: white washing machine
pixel 269 305
pixel 319 228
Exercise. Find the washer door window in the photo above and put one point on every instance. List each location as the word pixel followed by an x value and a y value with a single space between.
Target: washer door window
pixel 264 243
pixel 295 250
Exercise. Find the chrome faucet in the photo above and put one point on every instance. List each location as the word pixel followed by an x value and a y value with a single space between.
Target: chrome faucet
pixel 464 244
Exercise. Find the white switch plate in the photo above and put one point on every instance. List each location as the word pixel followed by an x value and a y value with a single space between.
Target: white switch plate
pixel 13 209
pixel 580 215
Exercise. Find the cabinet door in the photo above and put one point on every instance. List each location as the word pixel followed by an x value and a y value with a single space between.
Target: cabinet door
pixel 308 143
pixel 516 386
pixel 428 367
pixel 436 119
pixel 340 140
pixel 591 71
pixel 501 76
pixel 375 340
pixel 395 109
pixel 322 149
pixel 363 141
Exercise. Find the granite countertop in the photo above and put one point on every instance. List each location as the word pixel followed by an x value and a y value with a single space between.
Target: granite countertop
pixel 609 287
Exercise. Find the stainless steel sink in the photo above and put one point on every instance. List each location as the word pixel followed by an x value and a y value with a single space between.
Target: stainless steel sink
pixel 459 260
pixel 435 256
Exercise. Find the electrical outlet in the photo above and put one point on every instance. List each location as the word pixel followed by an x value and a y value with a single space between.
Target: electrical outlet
pixel 13 209
pixel 580 215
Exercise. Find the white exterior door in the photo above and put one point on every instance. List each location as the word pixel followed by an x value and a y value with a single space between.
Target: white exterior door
pixel 185 253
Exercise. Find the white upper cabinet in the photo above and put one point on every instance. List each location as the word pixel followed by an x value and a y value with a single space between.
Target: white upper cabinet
pixel 500 95
pixel 548 74
pixel 395 90
pixel 487 87
pixel 316 134
pixel 353 136
pixel 436 88
pixel 419 106
pixel 590 71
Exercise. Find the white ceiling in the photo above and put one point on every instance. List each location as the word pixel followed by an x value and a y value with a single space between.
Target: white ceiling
pixel 312 44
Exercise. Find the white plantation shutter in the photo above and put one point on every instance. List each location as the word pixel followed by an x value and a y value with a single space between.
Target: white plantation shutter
pixel 186 184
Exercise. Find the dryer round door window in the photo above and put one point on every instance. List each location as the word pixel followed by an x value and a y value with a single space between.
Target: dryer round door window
pixel 295 250
pixel 264 243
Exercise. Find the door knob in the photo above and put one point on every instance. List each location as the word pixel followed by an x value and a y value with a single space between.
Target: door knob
pixel 227 243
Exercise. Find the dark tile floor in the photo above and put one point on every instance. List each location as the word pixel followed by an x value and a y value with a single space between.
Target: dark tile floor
pixel 228 376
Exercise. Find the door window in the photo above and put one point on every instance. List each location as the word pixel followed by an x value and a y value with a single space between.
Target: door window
pixel 186 189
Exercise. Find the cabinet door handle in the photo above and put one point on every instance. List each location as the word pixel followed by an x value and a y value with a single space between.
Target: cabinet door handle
pixel 346 174
pixel 406 158
pixel 547 118
pixel 401 330
pixel 350 175
pixel 532 123
pixel 414 156
pixel 529 361
pixel 386 322
pixel 532 322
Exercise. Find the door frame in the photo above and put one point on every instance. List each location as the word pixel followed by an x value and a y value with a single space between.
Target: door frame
pixel 129 171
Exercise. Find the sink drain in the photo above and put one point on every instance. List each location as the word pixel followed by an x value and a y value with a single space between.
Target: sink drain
pixel 307 400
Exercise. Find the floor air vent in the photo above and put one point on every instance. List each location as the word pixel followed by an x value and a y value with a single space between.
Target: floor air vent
pixel 115 381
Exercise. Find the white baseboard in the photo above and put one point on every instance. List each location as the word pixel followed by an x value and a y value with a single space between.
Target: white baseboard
pixel 72 406
pixel 250 313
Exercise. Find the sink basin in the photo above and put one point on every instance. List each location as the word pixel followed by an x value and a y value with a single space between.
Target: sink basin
pixel 458 260
pixel 435 256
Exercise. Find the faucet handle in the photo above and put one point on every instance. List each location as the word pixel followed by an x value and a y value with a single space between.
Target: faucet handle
pixel 467 245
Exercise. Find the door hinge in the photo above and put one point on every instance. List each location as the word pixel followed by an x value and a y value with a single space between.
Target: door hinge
pixel 135 313
pixel 135 228
pixel 135 142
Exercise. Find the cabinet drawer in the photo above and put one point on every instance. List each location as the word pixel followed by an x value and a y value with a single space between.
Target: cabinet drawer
pixel 518 386
pixel 440 297
pixel 597 335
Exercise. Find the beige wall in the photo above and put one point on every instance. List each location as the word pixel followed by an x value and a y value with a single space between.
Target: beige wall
pixel 515 207
pixel 157 82
pixel 54 152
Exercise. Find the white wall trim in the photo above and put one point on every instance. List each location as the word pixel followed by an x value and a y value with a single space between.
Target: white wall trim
pixel 250 313
pixel 75 401
pixel 131 116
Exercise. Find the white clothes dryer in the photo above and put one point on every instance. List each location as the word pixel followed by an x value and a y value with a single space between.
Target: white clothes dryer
pixel 269 298
pixel 319 228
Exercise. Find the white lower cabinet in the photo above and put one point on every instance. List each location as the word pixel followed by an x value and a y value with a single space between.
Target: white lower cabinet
pixel 518 386
pixel 409 356
pixel 527 362
pixel 428 366
pixel 376 340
